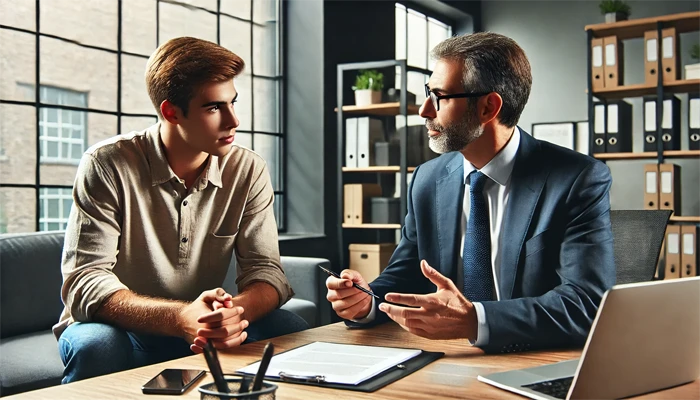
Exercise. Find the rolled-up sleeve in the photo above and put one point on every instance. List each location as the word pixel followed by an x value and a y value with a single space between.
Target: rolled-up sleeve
pixel 91 242
pixel 257 246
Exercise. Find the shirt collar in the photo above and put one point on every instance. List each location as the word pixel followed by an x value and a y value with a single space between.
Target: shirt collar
pixel 500 167
pixel 160 169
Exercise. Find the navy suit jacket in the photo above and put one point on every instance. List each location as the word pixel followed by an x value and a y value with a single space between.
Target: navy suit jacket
pixel 557 246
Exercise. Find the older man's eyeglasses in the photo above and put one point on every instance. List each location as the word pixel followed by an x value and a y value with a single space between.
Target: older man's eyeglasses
pixel 436 98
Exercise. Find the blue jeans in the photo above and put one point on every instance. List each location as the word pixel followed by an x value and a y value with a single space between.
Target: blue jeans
pixel 91 349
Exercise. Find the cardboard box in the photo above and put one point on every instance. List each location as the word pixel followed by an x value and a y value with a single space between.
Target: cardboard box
pixel 370 259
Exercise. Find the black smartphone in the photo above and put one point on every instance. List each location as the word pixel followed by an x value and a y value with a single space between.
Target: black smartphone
pixel 172 381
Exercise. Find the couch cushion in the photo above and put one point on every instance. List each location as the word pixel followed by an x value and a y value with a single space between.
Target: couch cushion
pixel 30 282
pixel 29 362
pixel 304 309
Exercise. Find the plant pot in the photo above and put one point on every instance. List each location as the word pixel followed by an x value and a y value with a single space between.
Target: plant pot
pixel 365 97
pixel 692 71
pixel 614 17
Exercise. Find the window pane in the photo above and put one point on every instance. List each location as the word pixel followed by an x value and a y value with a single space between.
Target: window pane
pixel 268 147
pixel 17 210
pixel 18 13
pixel 264 10
pixel 97 127
pixel 235 36
pixel 91 22
pixel 176 21
pixel 134 94
pixel 237 8
pixel 53 210
pixel 17 57
pixel 244 106
pixel 136 124
pixel 86 70
pixel 265 105
pixel 67 203
pixel 437 32
pixel 51 149
pixel 265 49
pixel 53 226
pixel 244 139
pixel 417 33
pixel 52 115
pixel 17 144
pixel 400 32
pixel 138 26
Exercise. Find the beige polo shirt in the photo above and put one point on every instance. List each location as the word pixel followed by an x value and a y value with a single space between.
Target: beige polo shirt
pixel 134 225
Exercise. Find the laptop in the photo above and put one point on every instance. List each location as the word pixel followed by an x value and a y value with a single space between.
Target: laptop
pixel 645 337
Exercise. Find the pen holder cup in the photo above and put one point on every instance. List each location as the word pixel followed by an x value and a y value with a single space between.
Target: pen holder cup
pixel 209 392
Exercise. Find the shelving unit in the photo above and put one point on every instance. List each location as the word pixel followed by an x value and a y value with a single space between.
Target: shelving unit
pixel 382 110
pixel 684 22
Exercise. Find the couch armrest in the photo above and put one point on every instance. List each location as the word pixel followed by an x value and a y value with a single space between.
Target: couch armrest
pixel 309 282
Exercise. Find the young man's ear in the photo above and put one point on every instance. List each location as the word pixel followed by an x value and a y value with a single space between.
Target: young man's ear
pixel 170 112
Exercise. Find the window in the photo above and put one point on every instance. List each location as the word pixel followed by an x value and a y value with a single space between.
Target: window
pixel 91 87
pixel 62 132
pixel 54 208
pixel 423 33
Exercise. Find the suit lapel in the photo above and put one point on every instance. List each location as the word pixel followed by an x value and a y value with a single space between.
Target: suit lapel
pixel 448 210
pixel 527 182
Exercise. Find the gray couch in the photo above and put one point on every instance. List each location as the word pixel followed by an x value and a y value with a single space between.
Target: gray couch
pixel 30 303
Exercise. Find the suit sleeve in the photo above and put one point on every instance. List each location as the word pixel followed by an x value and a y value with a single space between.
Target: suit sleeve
pixel 403 274
pixel 563 316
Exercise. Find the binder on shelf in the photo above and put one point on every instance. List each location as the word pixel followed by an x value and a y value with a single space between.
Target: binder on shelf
pixel 619 127
pixel 614 67
pixel 694 121
pixel 670 188
pixel 351 142
pixel 369 132
pixel 348 206
pixel 361 195
pixel 673 252
pixel 662 257
pixel 670 61
pixel 670 123
pixel 651 186
pixel 651 57
pixel 597 69
pixel 689 254
pixel 599 138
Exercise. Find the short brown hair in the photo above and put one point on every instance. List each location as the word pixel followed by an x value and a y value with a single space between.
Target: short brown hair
pixel 180 65
pixel 492 63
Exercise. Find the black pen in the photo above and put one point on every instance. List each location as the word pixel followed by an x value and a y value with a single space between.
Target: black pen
pixel 264 363
pixel 215 368
pixel 355 285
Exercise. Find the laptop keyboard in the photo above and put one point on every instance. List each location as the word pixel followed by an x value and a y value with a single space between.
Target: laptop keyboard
pixel 558 388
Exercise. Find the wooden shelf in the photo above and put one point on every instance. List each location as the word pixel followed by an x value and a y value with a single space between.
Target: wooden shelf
pixel 381 109
pixel 647 155
pixel 378 169
pixel 643 89
pixel 373 226
pixel 625 156
pixel 635 28
pixel 682 218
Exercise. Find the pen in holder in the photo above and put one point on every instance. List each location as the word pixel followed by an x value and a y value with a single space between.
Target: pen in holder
pixel 209 391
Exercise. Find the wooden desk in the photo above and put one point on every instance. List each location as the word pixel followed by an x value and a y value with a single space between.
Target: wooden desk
pixel 451 377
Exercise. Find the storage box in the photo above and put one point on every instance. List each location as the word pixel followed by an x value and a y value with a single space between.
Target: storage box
pixel 370 259
pixel 386 154
pixel 386 210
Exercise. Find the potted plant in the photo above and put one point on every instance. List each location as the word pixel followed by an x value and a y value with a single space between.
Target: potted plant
pixel 614 10
pixel 692 71
pixel 368 87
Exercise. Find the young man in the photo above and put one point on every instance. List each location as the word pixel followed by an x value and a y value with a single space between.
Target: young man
pixel 156 218
pixel 507 241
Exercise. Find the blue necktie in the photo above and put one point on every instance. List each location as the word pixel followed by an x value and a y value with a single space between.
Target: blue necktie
pixel 476 256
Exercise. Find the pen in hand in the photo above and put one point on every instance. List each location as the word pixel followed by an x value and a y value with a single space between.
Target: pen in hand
pixel 264 363
pixel 355 285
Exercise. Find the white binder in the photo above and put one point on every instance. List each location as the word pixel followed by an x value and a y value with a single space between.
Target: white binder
pixel 369 131
pixel 351 142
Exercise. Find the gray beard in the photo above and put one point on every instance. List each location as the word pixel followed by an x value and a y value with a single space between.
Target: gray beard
pixel 454 137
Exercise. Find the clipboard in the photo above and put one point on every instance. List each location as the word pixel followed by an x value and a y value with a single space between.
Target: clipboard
pixel 372 384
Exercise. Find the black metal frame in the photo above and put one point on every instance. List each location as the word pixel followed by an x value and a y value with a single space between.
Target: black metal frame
pixel 119 114
pixel 340 129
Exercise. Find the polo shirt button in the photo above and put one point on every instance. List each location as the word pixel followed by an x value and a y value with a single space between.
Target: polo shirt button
pixel 184 203
pixel 184 240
